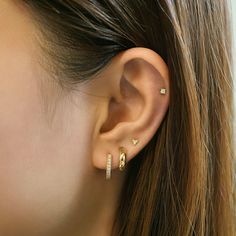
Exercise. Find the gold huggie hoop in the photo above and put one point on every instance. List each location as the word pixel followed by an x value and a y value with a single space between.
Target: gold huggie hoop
pixel 122 159
pixel 108 167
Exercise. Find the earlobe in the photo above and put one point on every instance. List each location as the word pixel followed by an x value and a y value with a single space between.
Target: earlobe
pixel 135 109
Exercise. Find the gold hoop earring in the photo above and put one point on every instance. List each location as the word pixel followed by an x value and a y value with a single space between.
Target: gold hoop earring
pixel 122 159
pixel 108 167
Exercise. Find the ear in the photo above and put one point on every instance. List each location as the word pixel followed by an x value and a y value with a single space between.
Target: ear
pixel 135 105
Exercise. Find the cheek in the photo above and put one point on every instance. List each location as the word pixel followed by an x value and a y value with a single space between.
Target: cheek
pixel 39 166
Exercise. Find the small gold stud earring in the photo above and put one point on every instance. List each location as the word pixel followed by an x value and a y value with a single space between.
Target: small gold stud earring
pixel 162 91
pixel 122 159
pixel 135 141
pixel 108 167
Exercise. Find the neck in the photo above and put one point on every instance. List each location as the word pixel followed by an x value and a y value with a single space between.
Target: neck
pixel 96 205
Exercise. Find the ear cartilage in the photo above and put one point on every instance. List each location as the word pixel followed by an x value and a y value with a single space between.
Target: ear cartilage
pixel 162 91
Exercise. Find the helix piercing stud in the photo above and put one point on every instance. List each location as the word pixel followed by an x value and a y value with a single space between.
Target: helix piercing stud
pixel 163 91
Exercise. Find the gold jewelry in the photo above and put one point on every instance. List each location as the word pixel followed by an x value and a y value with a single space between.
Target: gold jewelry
pixel 135 141
pixel 108 168
pixel 162 91
pixel 122 159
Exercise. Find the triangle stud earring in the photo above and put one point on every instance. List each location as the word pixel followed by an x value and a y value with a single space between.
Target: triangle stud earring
pixel 135 141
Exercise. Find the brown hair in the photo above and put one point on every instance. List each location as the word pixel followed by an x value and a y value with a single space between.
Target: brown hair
pixel 181 183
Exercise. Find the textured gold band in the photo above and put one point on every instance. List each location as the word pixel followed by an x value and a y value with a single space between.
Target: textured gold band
pixel 122 159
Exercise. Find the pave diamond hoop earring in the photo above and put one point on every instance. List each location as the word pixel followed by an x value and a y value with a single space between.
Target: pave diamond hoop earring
pixel 108 167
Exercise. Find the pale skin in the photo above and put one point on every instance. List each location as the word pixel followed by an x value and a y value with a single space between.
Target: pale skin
pixel 53 160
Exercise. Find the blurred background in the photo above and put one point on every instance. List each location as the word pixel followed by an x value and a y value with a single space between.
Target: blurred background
pixel 234 26
pixel 233 4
